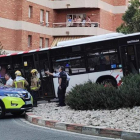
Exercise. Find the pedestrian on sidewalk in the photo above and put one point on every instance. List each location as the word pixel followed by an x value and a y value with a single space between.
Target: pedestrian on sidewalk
pixel 63 81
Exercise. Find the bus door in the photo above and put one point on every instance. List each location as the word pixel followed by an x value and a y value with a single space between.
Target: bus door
pixel 138 56
pixel 28 64
pixel 47 81
pixel 31 61
pixel 129 59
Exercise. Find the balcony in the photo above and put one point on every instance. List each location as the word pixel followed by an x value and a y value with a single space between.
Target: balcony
pixel 76 24
pixel 77 29
pixel 64 4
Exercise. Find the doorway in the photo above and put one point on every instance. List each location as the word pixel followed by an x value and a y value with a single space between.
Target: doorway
pixel 40 62
pixel 129 59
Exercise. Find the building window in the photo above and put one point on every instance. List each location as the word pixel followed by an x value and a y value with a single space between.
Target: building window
pixel 41 16
pixel 47 18
pixel 30 11
pixel 29 40
pixel 41 42
pixel 46 42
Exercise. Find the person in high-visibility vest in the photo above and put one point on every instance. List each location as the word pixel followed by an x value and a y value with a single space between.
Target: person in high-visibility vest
pixel 35 86
pixel 19 82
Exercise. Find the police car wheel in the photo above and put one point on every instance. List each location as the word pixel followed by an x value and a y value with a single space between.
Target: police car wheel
pixel 17 113
pixel 2 110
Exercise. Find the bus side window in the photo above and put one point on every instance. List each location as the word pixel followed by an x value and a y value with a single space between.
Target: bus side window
pixel 114 59
pixel 102 60
pixel 73 64
pixel 78 66
pixel 93 62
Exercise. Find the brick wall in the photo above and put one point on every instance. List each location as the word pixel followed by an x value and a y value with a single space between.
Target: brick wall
pixel 35 40
pixel 18 10
pixel 110 21
pixel 18 40
pixel 116 2
pixel 10 8
pixel 36 12
pixel 8 38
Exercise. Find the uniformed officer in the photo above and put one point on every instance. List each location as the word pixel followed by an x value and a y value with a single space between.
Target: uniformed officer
pixel 19 82
pixel 63 80
pixel 35 85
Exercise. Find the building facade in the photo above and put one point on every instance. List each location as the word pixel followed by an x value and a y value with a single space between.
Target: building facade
pixel 34 24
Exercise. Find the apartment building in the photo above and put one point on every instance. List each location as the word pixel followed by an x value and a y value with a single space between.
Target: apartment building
pixel 34 24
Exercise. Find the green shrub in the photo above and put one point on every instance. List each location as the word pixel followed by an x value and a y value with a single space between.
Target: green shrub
pixel 129 92
pixel 90 95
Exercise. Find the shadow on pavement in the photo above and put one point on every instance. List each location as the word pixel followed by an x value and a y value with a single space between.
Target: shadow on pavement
pixel 10 116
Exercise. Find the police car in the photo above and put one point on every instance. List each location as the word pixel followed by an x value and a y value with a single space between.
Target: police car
pixel 15 101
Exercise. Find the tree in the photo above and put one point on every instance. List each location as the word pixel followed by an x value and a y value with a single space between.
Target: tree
pixel 2 52
pixel 131 19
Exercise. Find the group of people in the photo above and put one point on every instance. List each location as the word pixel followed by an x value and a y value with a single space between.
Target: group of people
pixel 79 22
pixel 20 82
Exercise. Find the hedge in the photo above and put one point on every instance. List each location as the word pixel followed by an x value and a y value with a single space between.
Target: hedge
pixel 91 95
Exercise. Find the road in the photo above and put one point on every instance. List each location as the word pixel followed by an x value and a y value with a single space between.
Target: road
pixel 12 128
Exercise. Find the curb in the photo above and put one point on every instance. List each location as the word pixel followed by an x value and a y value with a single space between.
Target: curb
pixel 88 130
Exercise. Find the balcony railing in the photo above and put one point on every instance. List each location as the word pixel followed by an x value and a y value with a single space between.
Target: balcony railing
pixel 76 24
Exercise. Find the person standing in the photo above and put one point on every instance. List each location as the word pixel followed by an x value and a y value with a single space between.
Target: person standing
pixel 79 20
pixel 63 81
pixel 88 21
pixel 19 82
pixel 35 86
pixel 83 22
pixel 9 81
pixel 74 21
pixel 69 21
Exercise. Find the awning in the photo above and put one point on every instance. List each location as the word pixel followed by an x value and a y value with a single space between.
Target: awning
pixel 59 39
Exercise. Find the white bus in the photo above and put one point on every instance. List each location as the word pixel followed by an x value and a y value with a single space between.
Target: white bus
pixel 104 58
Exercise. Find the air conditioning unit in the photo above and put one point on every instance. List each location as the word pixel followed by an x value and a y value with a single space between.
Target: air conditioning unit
pixel 67 5
pixel 41 23
pixel 67 32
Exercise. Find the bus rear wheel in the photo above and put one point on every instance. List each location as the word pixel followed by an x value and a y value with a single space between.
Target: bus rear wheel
pixel 109 82
pixel 2 110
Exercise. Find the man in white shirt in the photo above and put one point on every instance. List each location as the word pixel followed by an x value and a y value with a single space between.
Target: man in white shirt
pixel 57 75
pixel 9 81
